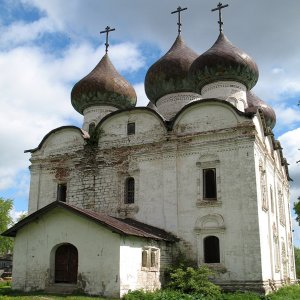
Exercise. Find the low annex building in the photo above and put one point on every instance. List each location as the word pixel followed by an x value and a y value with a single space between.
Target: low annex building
pixel 197 171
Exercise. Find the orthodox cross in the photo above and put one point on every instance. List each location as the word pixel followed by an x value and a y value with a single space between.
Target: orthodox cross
pixel 179 10
pixel 107 30
pixel 219 8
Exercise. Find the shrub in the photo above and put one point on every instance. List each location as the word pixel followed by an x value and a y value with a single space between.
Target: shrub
pixel 161 295
pixel 193 281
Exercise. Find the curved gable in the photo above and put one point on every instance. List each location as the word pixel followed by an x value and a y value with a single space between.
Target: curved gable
pixel 112 130
pixel 61 139
pixel 207 115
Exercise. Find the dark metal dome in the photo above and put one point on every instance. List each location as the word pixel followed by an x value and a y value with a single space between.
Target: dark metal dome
pixel 170 73
pixel 223 61
pixel 255 102
pixel 103 86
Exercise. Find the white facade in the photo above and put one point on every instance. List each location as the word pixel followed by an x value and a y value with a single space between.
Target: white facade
pixel 201 167
pixel 250 215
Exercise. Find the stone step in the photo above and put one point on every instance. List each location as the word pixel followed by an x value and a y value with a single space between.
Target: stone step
pixel 61 288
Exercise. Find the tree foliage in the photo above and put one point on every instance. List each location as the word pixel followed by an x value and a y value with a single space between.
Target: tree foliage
pixel 6 243
pixel 297 210
pixel 297 261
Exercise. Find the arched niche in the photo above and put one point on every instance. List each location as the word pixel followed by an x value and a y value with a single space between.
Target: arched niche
pixel 210 224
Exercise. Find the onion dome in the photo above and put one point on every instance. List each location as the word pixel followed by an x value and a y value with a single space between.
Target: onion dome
pixel 255 102
pixel 223 62
pixel 103 86
pixel 170 73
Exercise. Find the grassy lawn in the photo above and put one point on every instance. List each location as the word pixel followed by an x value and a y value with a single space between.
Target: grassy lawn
pixel 7 294
pixel 286 293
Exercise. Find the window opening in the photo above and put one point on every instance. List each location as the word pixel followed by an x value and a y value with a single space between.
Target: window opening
pixel 209 184
pixel 129 190
pixel 145 259
pixel 92 127
pixel 211 250
pixel 130 128
pixel 153 259
pixel 62 192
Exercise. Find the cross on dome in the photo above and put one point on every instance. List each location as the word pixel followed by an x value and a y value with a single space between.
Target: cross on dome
pixel 107 30
pixel 219 7
pixel 178 11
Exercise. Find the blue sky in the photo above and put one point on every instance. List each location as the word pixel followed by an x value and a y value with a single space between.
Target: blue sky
pixel 46 46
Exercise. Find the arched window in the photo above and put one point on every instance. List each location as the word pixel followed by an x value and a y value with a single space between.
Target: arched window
pixel 129 190
pixel 66 264
pixel 211 249
pixel 209 184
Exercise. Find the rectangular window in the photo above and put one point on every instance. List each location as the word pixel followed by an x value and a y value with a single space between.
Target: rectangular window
pixel 130 128
pixel 209 184
pixel 150 259
pixel 129 190
pixel 61 192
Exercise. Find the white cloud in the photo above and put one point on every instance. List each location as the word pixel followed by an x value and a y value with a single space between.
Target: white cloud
pixel 15 215
pixel 20 32
pixel 142 99
pixel 35 96
pixel 287 115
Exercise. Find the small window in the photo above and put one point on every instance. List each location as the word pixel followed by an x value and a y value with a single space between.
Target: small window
pixel 130 128
pixel 92 127
pixel 154 258
pixel 129 190
pixel 209 184
pixel 62 192
pixel 150 259
pixel 211 250
pixel 145 259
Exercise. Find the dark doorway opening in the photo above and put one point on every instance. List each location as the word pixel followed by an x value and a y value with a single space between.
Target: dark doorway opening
pixel 211 249
pixel 66 264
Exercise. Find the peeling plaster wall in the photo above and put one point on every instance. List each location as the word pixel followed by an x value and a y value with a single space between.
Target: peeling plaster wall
pixel 274 213
pixel 98 253
pixel 132 275
pixel 167 167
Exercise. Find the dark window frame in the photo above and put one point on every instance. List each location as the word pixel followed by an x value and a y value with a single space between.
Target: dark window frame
pixel 92 127
pixel 129 190
pixel 61 192
pixel 209 184
pixel 211 249
pixel 131 128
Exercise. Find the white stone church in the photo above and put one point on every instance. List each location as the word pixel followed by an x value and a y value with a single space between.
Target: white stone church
pixel 196 172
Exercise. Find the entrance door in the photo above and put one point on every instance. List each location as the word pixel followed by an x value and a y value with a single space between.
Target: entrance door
pixel 66 264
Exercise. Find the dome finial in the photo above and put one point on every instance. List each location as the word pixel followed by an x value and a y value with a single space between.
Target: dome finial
pixel 107 30
pixel 179 10
pixel 219 7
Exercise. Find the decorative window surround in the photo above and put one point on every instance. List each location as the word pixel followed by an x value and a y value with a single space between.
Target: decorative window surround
pixel 150 259
pixel 281 208
pixel 208 161
pixel 263 187
pixel 210 225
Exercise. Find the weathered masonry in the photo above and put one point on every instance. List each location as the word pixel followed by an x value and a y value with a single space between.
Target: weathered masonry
pixel 198 171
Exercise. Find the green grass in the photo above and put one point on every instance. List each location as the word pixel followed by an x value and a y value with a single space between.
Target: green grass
pixel 286 293
pixel 6 293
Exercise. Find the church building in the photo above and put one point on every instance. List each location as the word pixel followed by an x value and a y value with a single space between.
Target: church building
pixel 197 172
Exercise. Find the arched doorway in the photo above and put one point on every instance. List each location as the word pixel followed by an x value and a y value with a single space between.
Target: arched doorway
pixel 66 264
